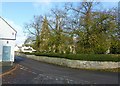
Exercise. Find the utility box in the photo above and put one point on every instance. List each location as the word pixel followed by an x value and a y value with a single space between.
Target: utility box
pixel 7 41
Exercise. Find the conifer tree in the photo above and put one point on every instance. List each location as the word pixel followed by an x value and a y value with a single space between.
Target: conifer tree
pixel 44 36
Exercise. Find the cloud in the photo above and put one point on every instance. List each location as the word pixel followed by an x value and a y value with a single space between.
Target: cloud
pixel 20 38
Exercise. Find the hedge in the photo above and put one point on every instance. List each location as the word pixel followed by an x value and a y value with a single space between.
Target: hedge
pixel 85 57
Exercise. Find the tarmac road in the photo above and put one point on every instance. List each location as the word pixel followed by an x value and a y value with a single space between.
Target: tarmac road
pixel 34 72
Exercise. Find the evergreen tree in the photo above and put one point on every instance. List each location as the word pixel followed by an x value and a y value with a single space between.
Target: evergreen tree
pixel 44 36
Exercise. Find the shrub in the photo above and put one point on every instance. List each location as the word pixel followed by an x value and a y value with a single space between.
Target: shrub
pixel 100 50
pixel 115 48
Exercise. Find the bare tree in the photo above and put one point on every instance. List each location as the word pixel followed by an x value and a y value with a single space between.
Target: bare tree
pixel 34 29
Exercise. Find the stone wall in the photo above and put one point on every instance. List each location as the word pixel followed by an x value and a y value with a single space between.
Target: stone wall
pixel 75 63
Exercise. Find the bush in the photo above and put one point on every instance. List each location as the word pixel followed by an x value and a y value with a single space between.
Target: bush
pixel 115 48
pixel 100 50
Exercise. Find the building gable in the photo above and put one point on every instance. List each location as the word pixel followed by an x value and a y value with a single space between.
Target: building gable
pixel 6 30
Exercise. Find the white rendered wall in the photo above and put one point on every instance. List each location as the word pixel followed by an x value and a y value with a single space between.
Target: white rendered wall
pixel 0 50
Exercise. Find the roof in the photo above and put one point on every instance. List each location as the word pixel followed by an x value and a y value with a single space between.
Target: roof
pixel 8 24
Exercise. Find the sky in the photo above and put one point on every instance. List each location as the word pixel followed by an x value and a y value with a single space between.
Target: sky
pixel 19 13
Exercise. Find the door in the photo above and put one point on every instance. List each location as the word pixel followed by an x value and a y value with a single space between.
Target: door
pixel 6 53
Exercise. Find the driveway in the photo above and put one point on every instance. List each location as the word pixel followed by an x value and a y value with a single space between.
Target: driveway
pixel 34 72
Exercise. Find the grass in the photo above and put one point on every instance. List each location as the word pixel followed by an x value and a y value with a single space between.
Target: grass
pixel 103 70
pixel 111 70
pixel 85 57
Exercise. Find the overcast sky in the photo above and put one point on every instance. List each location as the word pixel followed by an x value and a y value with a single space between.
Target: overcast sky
pixel 19 13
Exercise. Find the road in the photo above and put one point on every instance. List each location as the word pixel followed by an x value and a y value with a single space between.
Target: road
pixel 34 72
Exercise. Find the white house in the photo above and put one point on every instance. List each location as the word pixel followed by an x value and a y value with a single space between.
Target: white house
pixel 7 41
